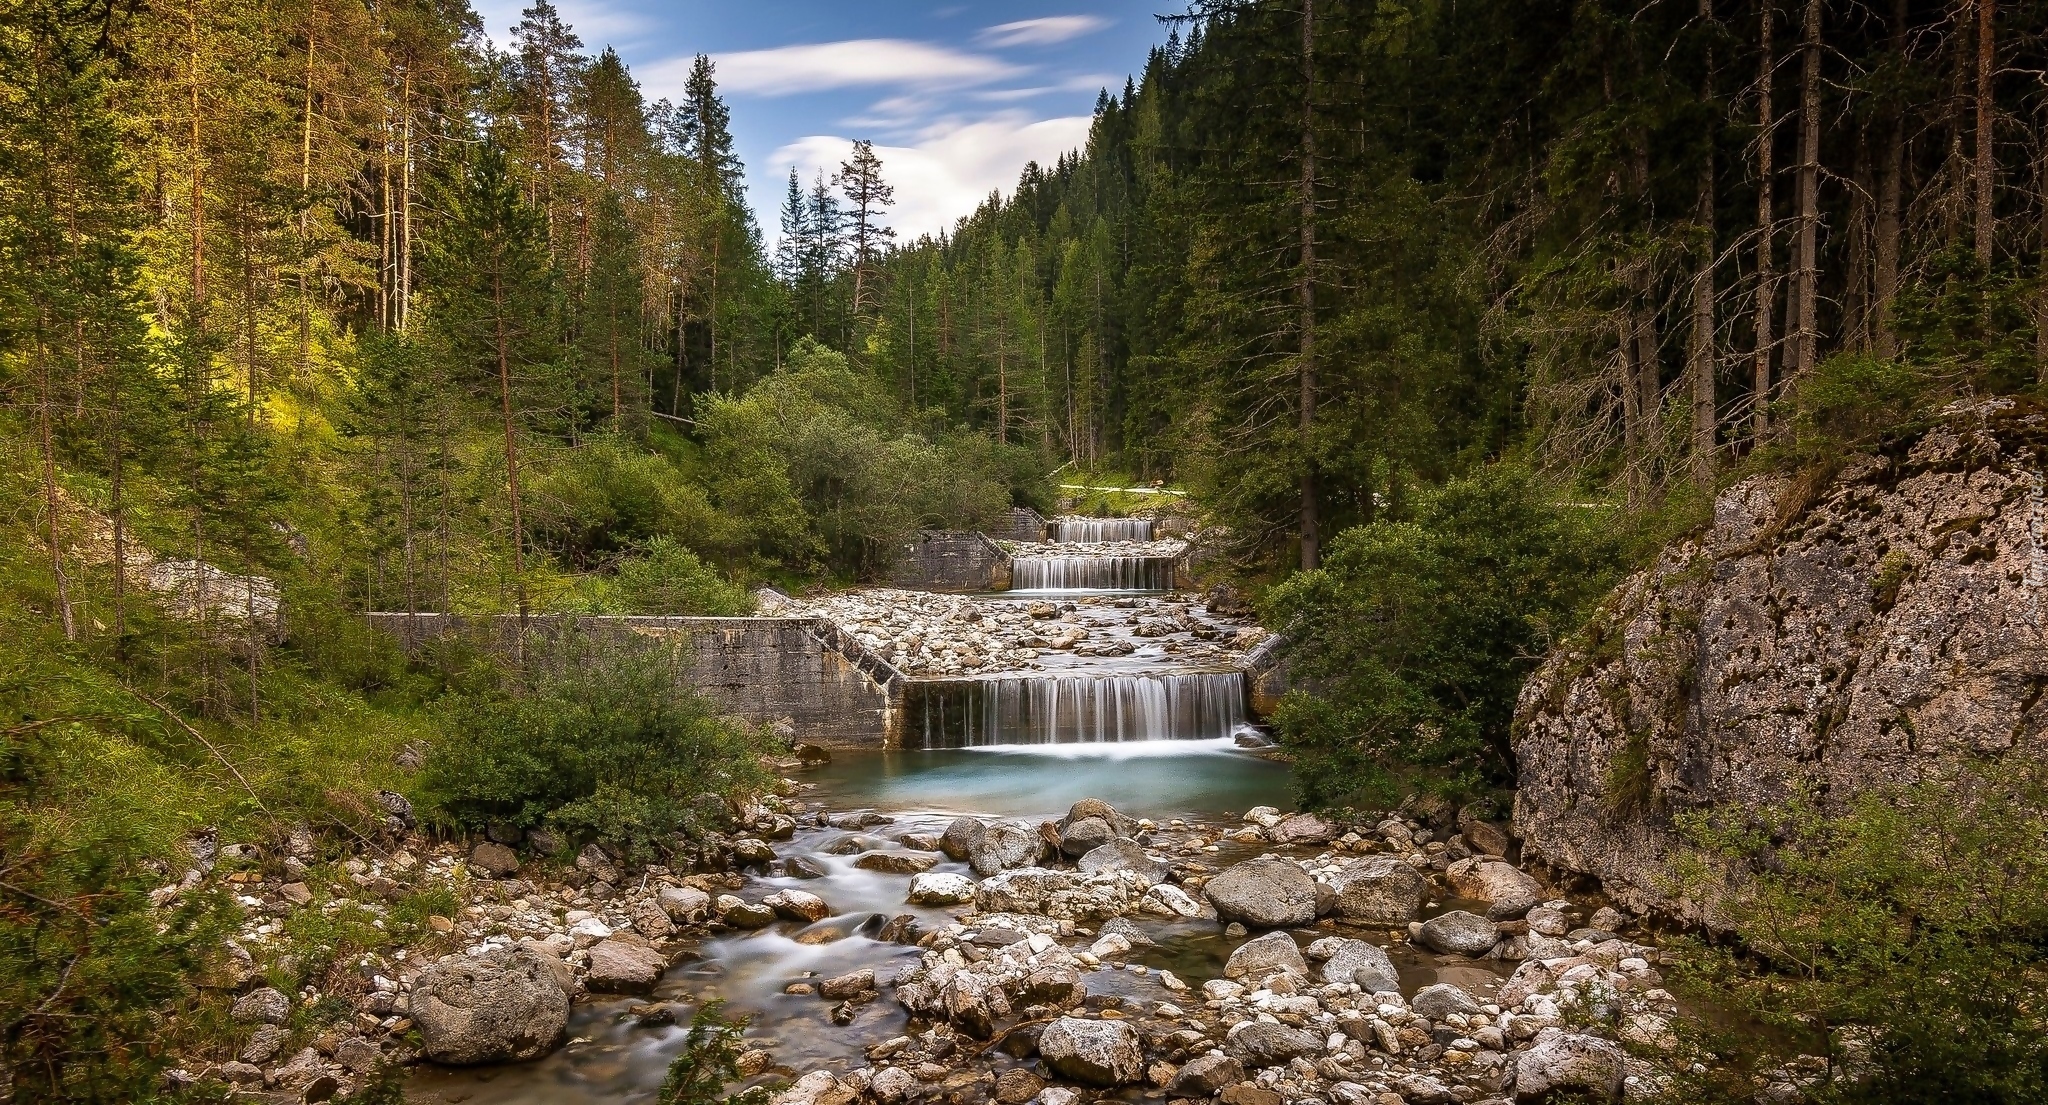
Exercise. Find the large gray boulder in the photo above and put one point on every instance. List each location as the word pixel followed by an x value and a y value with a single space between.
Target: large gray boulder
pixel 1259 1044
pixel 1873 627
pixel 1205 1076
pixel 1380 890
pixel 1266 892
pixel 1484 879
pixel 1084 836
pixel 1355 961
pixel 1123 855
pixel 1100 1053
pixel 1561 1062
pixel 1262 957
pixel 1441 1000
pixel 502 1007
pixel 960 838
pixel 623 965
pixel 1005 846
pixel 1459 933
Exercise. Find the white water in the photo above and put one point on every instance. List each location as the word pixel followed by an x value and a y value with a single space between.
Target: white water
pixel 1092 573
pixel 1099 530
pixel 1078 709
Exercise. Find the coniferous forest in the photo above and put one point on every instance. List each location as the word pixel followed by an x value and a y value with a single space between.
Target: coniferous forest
pixel 1445 314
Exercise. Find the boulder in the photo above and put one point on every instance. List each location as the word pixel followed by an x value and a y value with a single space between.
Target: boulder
pixel 1355 961
pixel 1302 828
pixel 1439 1001
pixel 1569 1062
pixel 498 1008
pixel 1486 838
pixel 1490 880
pixel 752 851
pixel 941 888
pixel 1102 811
pixel 744 915
pixel 1260 1044
pixel 1084 836
pixel 1017 1086
pixel 1260 958
pixel 960 838
pixel 851 985
pixel 1099 1053
pixel 264 1006
pixel 494 860
pixel 1380 891
pixel 891 1085
pixel 649 920
pixel 1459 933
pixel 684 904
pixel 1005 846
pixel 797 905
pixel 1267 892
pixel 1123 855
pixel 1062 895
pixel 897 863
pixel 624 966
pixel 1205 1075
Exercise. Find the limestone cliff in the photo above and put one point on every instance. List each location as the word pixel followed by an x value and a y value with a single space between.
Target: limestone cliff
pixel 1878 623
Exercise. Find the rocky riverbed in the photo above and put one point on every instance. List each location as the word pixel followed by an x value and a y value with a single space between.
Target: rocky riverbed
pixel 923 634
pixel 1265 959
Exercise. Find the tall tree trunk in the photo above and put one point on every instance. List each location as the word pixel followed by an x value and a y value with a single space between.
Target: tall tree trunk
pixel 1856 308
pixel 46 438
pixel 405 202
pixel 1890 203
pixel 511 456
pixel 1807 280
pixel 1766 215
pixel 1700 356
pixel 1987 66
pixel 306 207
pixel 1311 538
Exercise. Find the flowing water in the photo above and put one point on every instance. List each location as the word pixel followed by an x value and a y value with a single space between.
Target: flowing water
pixel 1096 574
pixel 1098 530
pixel 1086 709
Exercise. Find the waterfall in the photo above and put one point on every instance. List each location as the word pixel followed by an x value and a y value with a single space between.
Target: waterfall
pixel 1097 530
pixel 1074 709
pixel 1092 573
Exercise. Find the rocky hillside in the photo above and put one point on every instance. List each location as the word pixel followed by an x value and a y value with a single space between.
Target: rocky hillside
pixel 1876 622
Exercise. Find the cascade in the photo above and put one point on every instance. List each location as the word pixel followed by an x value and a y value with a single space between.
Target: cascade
pixel 1074 709
pixel 1092 573
pixel 1098 530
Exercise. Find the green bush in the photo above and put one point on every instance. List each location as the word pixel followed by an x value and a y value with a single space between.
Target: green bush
pixel 710 1058
pixel 1904 938
pixel 609 495
pixel 601 742
pixel 1412 640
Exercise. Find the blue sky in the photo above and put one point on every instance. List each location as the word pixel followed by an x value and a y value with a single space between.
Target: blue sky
pixel 955 96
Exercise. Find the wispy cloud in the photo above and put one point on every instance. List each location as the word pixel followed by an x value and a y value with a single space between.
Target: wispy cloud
pixel 599 23
pixel 1041 32
pixel 815 67
pixel 949 167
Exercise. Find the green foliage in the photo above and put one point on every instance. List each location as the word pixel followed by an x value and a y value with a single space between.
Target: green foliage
pixel 669 579
pixel 828 472
pixel 709 1060
pixel 1853 401
pixel 1905 936
pixel 608 496
pixel 1414 637
pixel 603 742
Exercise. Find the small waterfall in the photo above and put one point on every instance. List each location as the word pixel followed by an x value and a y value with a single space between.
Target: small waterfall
pixel 1097 530
pixel 1092 573
pixel 1074 709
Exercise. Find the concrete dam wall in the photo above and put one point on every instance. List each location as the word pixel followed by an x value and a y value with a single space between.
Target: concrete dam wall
pixel 834 692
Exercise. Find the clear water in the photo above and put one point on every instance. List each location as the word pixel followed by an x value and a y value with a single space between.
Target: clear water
pixel 1156 779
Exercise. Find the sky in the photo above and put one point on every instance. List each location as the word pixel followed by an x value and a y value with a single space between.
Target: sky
pixel 956 97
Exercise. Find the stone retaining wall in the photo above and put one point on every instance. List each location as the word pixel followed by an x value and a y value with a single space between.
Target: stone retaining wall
pixel 952 561
pixel 836 693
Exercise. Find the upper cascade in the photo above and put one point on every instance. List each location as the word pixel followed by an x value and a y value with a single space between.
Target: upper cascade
pixel 1076 709
pixel 1098 530
pixel 1093 573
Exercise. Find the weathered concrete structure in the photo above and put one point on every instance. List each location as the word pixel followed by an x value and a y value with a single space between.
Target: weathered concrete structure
pixel 834 692
pixel 1026 524
pixel 951 561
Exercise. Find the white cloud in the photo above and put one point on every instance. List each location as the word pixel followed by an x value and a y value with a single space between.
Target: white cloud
pixel 785 70
pixel 597 22
pixel 1042 32
pixel 949 167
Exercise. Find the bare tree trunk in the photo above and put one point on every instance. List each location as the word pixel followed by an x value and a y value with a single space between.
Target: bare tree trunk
pixel 511 457
pixel 1311 538
pixel 1987 65
pixel 1807 279
pixel 306 209
pixel 1766 214
pixel 1890 204
pixel 405 202
pixel 1700 356
pixel 46 438
pixel 1856 306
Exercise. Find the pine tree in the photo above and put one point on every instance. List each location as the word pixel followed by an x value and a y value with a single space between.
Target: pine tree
pixel 868 196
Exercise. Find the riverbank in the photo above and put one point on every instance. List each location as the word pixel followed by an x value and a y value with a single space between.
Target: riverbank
pixel 908 953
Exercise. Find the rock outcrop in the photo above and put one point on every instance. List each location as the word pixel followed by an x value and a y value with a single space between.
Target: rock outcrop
pixel 1878 624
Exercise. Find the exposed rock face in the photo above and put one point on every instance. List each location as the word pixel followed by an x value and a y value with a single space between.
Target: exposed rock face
pixel 1879 626
pixel 504 1007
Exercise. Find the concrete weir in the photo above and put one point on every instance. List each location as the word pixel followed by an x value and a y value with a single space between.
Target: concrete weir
pixel 836 693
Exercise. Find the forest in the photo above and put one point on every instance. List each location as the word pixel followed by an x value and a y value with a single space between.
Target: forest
pixel 1447 314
